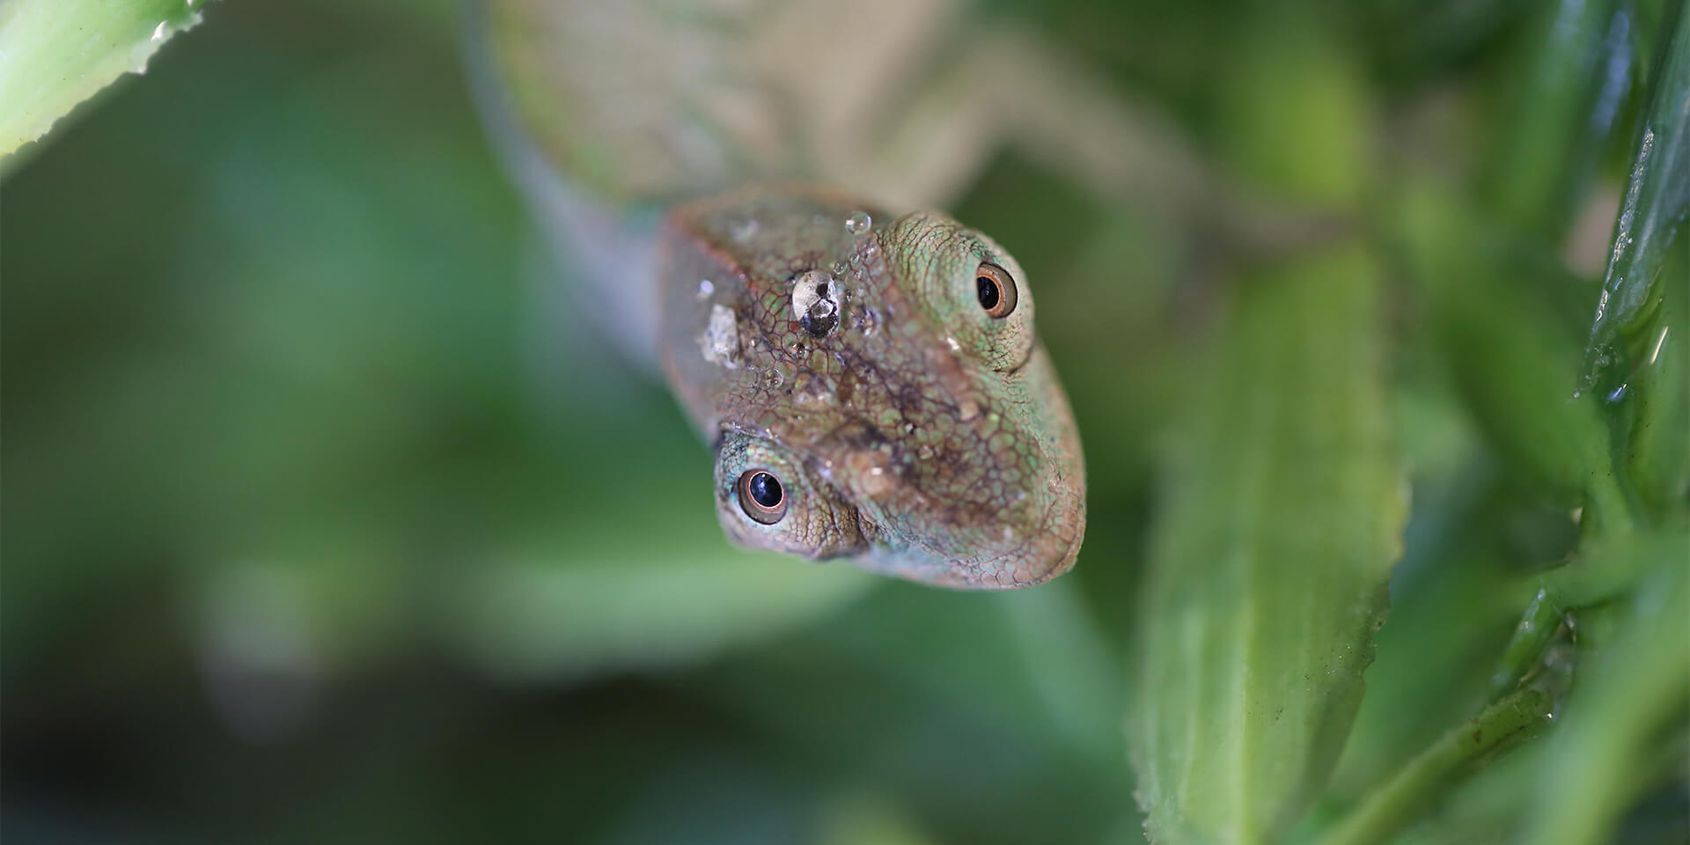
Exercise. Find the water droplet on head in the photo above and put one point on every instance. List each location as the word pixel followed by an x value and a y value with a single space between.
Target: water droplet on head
pixel 815 301
pixel 720 341
pixel 705 288
pixel 1617 394
pixel 858 222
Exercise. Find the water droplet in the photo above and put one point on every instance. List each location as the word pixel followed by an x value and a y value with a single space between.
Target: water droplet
pixel 706 288
pixel 1617 394
pixel 815 301
pixel 720 341
pixel 858 222
pixel 868 320
pixel 160 31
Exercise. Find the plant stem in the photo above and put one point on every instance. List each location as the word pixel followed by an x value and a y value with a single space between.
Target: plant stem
pixel 1396 803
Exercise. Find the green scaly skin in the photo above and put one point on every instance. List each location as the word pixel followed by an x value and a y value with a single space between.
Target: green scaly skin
pixel 918 436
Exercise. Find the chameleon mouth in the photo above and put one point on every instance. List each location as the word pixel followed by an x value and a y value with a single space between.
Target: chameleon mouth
pixel 1046 553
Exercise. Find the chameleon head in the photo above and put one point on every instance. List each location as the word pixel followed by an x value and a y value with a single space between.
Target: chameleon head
pixel 881 395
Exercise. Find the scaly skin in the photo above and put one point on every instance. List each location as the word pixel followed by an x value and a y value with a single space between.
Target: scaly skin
pixel 918 436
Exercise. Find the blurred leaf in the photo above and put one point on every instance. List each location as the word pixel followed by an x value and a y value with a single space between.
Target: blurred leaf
pixel 1636 688
pixel 613 604
pixel 57 53
pixel 1513 358
pixel 1413 40
pixel 943 700
pixel 1295 110
pixel 1268 573
pixel 1557 112
pixel 857 820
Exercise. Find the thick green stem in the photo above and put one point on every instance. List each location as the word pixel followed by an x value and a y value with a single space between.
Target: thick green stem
pixel 1399 800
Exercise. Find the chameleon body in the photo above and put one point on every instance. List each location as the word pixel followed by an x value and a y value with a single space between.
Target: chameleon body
pixel 848 353
pixel 872 384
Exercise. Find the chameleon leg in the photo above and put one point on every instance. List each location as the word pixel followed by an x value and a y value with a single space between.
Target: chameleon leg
pixel 1006 89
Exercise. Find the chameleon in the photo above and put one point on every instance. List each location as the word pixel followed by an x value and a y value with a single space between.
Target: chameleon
pixel 873 390
pixel 869 376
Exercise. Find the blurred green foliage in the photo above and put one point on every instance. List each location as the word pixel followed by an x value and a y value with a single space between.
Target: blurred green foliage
pixel 325 517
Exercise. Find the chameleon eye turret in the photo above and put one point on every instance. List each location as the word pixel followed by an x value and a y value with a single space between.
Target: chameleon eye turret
pixel 995 288
pixel 761 496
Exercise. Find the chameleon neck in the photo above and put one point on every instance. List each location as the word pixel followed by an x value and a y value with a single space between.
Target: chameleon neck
pixel 611 250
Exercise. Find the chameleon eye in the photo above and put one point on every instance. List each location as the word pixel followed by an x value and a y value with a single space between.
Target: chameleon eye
pixel 996 289
pixel 761 496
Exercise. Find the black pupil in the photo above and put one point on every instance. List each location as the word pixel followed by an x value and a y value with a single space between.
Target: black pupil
pixel 988 292
pixel 765 490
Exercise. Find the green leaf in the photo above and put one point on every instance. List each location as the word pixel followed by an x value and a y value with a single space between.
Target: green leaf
pixel 56 53
pixel 1636 358
pixel 1515 360
pixel 1267 577
pixel 1637 687
pixel 1657 198
pixel 1556 114
pixel 587 599
pixel 1655 408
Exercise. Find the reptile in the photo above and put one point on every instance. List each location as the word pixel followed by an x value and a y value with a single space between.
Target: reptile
pixel 869 377
pixel 873 390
